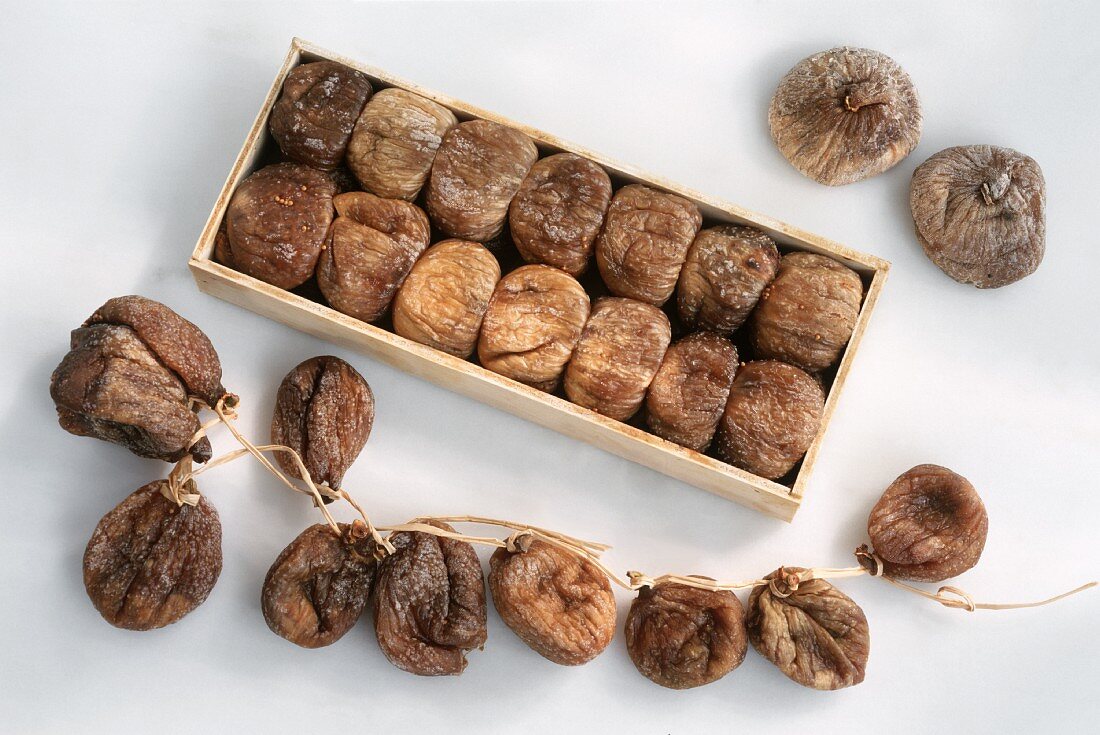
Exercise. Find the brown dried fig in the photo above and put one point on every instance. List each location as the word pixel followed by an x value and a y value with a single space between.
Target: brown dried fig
pixel 644 241
pixel 558 211
pixel 929 525
pixel 845 115
pixel 151 561
pixel 557 603
pixel 313 118
pixel 725 272
pixel 395 141
pixel 617 356
pixel 771 418
pixel 980 214
pixel 808 313
pixel 681 637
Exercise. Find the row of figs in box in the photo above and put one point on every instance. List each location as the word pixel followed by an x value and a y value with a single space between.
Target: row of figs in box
pixel 370 254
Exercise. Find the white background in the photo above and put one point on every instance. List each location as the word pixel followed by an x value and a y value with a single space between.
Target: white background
pixel 118 125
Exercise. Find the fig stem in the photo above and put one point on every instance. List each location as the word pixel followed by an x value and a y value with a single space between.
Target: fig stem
pixel 987 194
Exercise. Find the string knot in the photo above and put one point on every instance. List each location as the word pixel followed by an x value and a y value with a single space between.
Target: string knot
pixel 784 582
pixel 640 580
pixel 179 487
pixel 520 541
pixel 959 597
pixel 870 561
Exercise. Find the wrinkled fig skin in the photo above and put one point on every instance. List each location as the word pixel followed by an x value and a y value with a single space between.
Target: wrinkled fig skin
pixel 644 241
pixel 429 604
pixel 150 562
pixel 369 251
pixel 818 637
pixel 772 416
pixel 689 391
pixel 726 271
pixel 532 325
pixel 683 637
pixel 808 313
pixel 319 585
pixel 558 604
pixel 617 356
pixel 277 222
pixel 929 525
pixel 324 411
pixel 395 141
pixel 443 300
pixel 845 115
pixel 313 119
pixel 555 217
pixel 979 212
pixel 477 170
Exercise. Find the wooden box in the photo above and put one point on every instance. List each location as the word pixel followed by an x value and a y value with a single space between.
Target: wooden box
pixel 471 380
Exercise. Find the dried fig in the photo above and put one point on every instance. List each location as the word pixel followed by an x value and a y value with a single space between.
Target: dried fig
pixel 557 603
pixel 313 118
pixel 682 637
pixel 725 272
pixel 477 171
pixel 444 298
pixel 644 241
pixel 617 356
pixel 980 215
pixel 929 525
pixel 807 315
pixel 532 325
pixel 558 211
pixel 689 391
pixel 151 561
pixel 817 636
pixel 395 141
pixel 845 115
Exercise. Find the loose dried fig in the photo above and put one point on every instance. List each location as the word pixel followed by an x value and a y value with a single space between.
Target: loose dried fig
pixel 617 356
pixel 980 215
pixel 817 635
pixel 443 300
pixel 682 637
pixel 644 241
pixel 532 325
pixel 318 586
pixel 557 603
pixel 395 141
pixel 277 222
pixel 558 211
pixel 772 416
pixel 369 251
pixel 725 272
pixel 429 607
pixel 845 115
pixel 929 525
pixel 807 315
pixel 477 171
pixel 689 391
pixel 150 561
pixel 313 118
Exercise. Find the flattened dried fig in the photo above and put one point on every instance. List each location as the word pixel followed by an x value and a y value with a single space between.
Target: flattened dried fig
pixel 558 211
pixel 689 391
pixel 557 603
pixel 817 636
pixel 150 561
pixel 725 272
pixel 313 118
pixel 644 241
pixel 617 356
pixel 929 525
pixel 443 300
pixel 980 214
pixel 807 315
pixel 682 637
pixel 395 141
pixel 772 416
pixel 318 586
pixel 477 171
pixel 845 115
pixel 532 325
